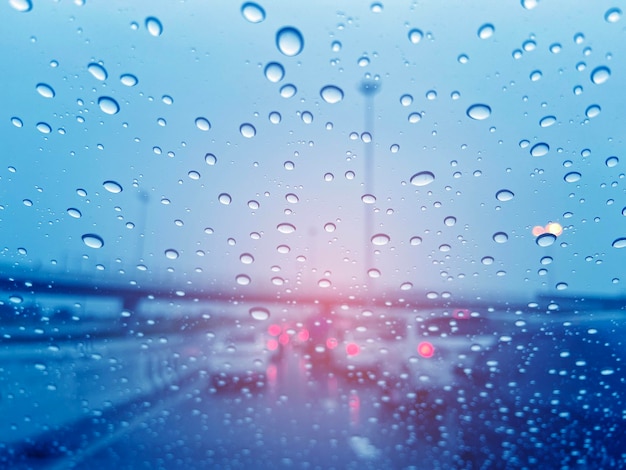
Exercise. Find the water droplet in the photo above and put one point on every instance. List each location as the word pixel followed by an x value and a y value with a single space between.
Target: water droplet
pixel 376 7
pixel 529 4
pixel 601 74
pixel 395 148
pixel 414 241
pixel 154 26
pixel 330 227
pixel 619 243
pixel 306 117
pixel 210 159
pixel 572 177
pixel 545 239
pixel 167 99
pixel 449 221
pixel 373 273
pixel 406 286
pixel 415 118
pixel 44 128
pixel 486 31
pixel 254 205
pixel 108 105
pixel 45 90
pixel 17 122
pixel 97 71
pixel 487 260
pixel 592 111
pixel 252 12
pixel 368 198
pixel 324 283
pixel 462 59
pixel 540 149
pixel 504 195
pixel 243 280
pixel 203 124
pixel 112 187
pixel 171 254
pixel 291 198
pixel 535 75
pixel 286 228
pixel 613 15
pixel 331 94
pixel 225 198
pixel 75 213
pixel 547 121
pixel 500 237
pixel 21 5
pixel 611 161
pixel 288 91
pixel 246 258
pixel 259 313
pixel 415 35
pixel 274 72
pixel 380 239
pixel 479 112
pixel 562 286
pixel 406 100
pixel 275 117
pixel 289 41
pixel 92 240
pixel 247 130
pixel 422 178
pixel 128 79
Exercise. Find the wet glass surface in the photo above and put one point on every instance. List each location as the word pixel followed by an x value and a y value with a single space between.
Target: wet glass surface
pixel 333 235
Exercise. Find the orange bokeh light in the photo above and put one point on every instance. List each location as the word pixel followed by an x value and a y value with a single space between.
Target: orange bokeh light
pixel 554 228
pixel 426 349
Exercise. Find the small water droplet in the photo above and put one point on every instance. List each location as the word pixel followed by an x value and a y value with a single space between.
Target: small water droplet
pixel 611 161
pixel 246 258
pixel 108 105
pixel 540 149
pixel 128 79
pixel 414 241
pixel 259 313
pixel 547 121
pixel 406 100
pixel 274 72
pixel 504 195
pixel 243 279
pixel 330 227
pixel 562 286
pixel 45 90
pixel 44 128
pixel 224 198
pixel 286 228
pixel 203 124
pixel 289 41
pixel 368 198
pixel 92 240
pixel 593 111
pixel 291 198
pixel 529 4
pixel 21 5
pixel 112 187
pixel 487 260
pixel 535 75
pixel 613 15
pixel 252 12
pixel 545 239
pixel 373 273
pixel 415 118
pixel 486 31
pixel 210 159
pixel 307 117
pixel 154 26
pixel 479 112
pixel 288 91
pixel 17 122
pixel 500 237
pixel 619 243
pixel 449 221
pixel 331 94
pixel 422 178
pixel 600 74
pixel 406 286
pixel 254 205
pixel 97 71
pixel 247 130
pixel 275 117
pixel 380 239
pixel 572 177
pixel 415 35
pixel 324 283
pixel 171 254
pixel 75 213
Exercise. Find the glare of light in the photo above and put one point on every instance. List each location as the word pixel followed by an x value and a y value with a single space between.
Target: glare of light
pixel 272 344
pixel 352 349
pixel 283 338
pixel 274 330
pixel 303 335
pixel 461 313
pixel 554 228
pixel 331 343
pixel 538 230
pixel 425 349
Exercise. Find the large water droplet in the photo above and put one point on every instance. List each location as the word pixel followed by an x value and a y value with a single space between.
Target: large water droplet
pixel 500 237
pixel 406 100
pixel 75 213
pixel 21 5
pixel 171 254
pixel 368 198
pixel 486 31
pixel 210 159
pixel 44 128
pixel 289 41
pixel 92 240
pixel 572 177
pixel 288 91
pixel 274 72
pixel 422 178
pixel 97 71
pixel 108 105
pixel 203 124
pixel 17 122
pixel 259 313
pixel 450 221
pixel 247 130
pixel 611 161
pixel 415 35
pixel 414 241
pixel 331 94
pixel 380 239
pixel 243 279
pixel 540 149
pixel 545 239
pixel 593 111
pixel 600 74
pixel 286 228
pixel 504 195
pixel 224 198
pixel 154 26
pixel 128 79
pixel 112 187
pixel 406 286
pixel 547 121
pixel 619 243
pixel 529 4
pixel 479 112
pixel 252 12
pixel 292 198
pixel 613 15
pixel 45 90
pixel 246 258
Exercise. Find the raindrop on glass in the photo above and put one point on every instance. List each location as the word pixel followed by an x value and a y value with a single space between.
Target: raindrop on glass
pixel 154 26
pixel 252 12
pixel 45 90
pixel 422 178
pixel 619 243
pixel 171 254
pixel 479 112
pixel 593 111
pixel 259 313
pixel 112 187
pixel 21 5
pixel 247 130
pixel 368 198
pixel 97 71
pixel 274 72
pixel 601 74
pixel 44 128
pixel 224 198
pixel 415 118
pixel 288 91
pixel 246 258
pixel 500 237
pixel 289 41
pixel 540 149
pixel 128 79
pixel 414 241
pixel 613 15
pixel 331 94
pixel 203 124
pixel 92 240
pixel 406 100
pixel 504 195
pixel 380 239
pixel 291 198
pixel 415 35
pixel 286 228
pixel 75 213
pixel 545 239
pixel 529 4
pixel 17 122
pixel 611 161
pixel 486 31
pixel 108 105
pixel 210 159
pixel 243 280
pixel 547 121
pixel 572 177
